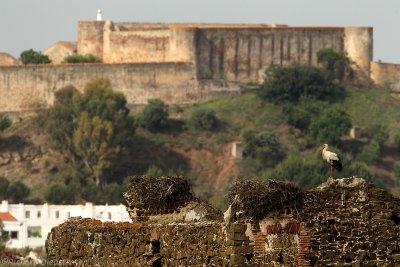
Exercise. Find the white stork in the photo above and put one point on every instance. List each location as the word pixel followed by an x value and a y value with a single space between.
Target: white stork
pixel 332 158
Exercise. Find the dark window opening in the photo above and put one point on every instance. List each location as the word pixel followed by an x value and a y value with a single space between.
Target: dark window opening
pixel 155 246
pixel 331 221
pixel 395 218
pixel 248 256
pixel 280 258
pixel 14 234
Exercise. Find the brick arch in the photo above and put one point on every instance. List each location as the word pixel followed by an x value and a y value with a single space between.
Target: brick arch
pixel 291 228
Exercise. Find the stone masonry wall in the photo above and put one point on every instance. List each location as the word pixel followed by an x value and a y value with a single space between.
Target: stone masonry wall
pixel 386 75
pixel 25 88
pixel 244 54
pixel 352 221
pixel 85 242
pixel 233 52
pixel 347 222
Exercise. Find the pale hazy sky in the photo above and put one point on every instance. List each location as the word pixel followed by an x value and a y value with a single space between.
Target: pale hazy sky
pixel 37 24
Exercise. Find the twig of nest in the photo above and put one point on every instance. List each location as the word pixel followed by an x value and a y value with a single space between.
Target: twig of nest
pixel 158 195
pixel 258 198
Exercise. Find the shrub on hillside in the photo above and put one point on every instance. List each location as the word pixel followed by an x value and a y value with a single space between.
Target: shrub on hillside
pixel 203 118
pixel 154 116
pixel 370 152
pixel 33 57
pixel 113 194
pixel 18 192
pixel 76 58
pixel 378 132
pixel 4 236
pixel 60 194
pixel 338 64
pixel 5 122
pixel 397 141
pixel 4 184
pixel 91 193
pixel 264 147
pixel 301 115
pixel 288 84
pixel 329 126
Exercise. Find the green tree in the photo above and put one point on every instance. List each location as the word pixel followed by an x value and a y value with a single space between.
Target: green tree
pixel 5 122
pixel 338 64
pixel 113 194
pixel 62 117
pixel 18 192
pixel 3 236
pixel 154 116
pixel 95 127
pixel 76 58
pixel 91 193
pixel 288 84
pixel 397 141
pixel 4 184
pixel 33 57
pixel 378 132
pixel 93 143
pixel 203 118
pixel 301 115
pixel 264 147
pixel 60 194
pixel 370 152
pixel 330 125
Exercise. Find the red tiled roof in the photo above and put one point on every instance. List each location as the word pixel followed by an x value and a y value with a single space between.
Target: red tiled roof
pixel 6 216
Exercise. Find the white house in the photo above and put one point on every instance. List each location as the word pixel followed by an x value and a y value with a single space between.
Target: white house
pixel 28 225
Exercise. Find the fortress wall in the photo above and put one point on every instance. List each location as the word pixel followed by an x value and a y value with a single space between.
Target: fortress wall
pixel 182 44
pixel 386 75
pixel 358 43
pixel 136 46
pixel 25 88
pixel 228 52
pixel 244 54
pixel 90 37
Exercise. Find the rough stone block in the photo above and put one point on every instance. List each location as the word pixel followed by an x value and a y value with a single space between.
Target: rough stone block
pixel 237 236
pixel 237 259
pixel 238 228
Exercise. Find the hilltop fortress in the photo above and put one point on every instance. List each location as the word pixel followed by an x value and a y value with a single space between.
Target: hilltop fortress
pixel 186 63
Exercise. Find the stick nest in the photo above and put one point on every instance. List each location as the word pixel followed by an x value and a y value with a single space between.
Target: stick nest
pixel 158 195
pixel 259 198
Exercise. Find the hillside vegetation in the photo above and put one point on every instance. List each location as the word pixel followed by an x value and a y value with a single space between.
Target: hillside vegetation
pixel 281 134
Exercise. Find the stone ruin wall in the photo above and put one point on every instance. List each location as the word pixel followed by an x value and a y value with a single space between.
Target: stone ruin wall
pixel 88 242
pixel 345 223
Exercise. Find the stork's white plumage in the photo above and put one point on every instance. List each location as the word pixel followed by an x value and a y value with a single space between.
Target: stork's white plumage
pixel 332 158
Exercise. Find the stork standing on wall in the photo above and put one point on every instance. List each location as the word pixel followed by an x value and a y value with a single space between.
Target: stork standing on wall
pixel 332 158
